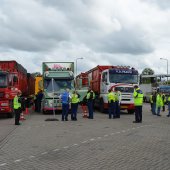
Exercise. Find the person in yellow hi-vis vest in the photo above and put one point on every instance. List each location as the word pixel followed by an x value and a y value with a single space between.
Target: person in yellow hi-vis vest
pixel 17 107
pixel 111 104
pixel 168 106
pixel 159 103
pixel 74 105
pixel 138 102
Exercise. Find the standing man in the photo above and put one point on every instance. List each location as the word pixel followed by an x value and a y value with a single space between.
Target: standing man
pixel 17 107
pixel 163 101
pixel 74 105
pixel 111 104
pixel 168 106
pixel 90 98
pixel 39 99
pixel 65 99
pixel 138 101
pixel 154 103
pixel 159 103
pixel 117 102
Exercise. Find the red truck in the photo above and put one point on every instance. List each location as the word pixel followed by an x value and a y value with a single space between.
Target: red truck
pixel 103 78
pixel 13 77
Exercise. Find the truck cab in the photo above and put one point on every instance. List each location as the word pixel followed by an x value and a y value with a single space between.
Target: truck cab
pixel 55 81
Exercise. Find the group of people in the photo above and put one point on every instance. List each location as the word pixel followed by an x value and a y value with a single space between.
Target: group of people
pixel 158 100
pixel 74 99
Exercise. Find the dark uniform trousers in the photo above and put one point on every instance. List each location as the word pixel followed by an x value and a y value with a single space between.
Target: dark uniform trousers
pixel 90 108
pixel 17 115
pixel 138 113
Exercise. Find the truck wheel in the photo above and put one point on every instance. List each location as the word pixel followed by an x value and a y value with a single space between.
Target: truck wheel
pixel 131 111
pixel 101 107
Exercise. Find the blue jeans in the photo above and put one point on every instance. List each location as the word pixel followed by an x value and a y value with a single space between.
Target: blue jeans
pixel 154 108
pixel 158 110
pixel 169 108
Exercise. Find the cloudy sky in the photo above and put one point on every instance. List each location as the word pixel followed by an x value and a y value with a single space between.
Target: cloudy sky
pixel 103 32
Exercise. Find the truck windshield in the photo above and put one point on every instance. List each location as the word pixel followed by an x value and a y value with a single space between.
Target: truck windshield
pixel 57 85
pixel 123 78
pixel 3 80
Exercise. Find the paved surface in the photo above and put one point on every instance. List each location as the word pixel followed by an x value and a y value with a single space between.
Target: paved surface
pixel 102 143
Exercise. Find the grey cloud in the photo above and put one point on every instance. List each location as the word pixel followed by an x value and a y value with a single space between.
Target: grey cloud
pixel 163 4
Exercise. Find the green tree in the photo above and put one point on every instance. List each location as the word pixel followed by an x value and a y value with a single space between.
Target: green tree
pixel 148 71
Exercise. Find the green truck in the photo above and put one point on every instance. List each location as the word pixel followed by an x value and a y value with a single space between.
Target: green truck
pixel 57 76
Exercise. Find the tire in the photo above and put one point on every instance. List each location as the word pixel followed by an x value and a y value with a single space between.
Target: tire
pixel 131 111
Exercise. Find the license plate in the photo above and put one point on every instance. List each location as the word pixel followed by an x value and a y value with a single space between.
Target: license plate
pixel 124 107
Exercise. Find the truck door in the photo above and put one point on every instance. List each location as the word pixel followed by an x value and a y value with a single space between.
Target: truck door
pixel 104 83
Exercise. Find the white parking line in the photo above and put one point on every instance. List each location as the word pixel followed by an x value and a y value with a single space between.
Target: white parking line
pixel 112 134
pixel 18 160
pixel 56 150
pixel 123 131
pixel 99 137
pixel 44 153
pixel 84 141
pixel 106 135
pixel 75 144
pixel 66 147
pixel 32 156
pixel 117 132
pixel 92 139
pixel 3 164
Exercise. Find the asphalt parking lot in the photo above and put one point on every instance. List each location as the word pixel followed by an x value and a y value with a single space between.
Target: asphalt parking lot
pixel 101 143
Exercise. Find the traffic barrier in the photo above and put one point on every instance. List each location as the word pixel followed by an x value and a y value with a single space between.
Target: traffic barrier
pixel 84 109
pixel 22 116
pixel 26 112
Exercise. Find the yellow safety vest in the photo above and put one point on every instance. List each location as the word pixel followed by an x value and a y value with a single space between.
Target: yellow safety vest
pixel 138 97
pixel 75 98
pixel 111 97
pixel 16 104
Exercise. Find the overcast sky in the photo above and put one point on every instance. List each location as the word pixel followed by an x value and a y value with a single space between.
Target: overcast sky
pixel 103 32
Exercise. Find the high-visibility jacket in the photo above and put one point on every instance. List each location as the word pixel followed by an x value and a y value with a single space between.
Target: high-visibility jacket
pixel 111 97
pixel 138 97
pixel 75 98
pixel 151 98
pixel 118 96
pixel 159 101
pixel 169 99
pixel 90 95
pixel 16 103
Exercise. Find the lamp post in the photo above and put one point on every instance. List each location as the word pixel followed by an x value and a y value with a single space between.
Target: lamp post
pixel 76 63
pixel 167 66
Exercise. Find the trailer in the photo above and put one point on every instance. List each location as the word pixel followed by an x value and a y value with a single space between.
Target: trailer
pixel 13 77
pixel 103 78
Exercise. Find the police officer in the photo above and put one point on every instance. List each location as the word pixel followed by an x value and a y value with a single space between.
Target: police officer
pixel 65 99
pixel 90 98
pixel 168 105
pixel 163 101
pixel 117 103
pixel 74 105
pixel 151 101
pixel 17 107
pixel 159 103
pixel 111 104
pixel 138 102
pixel 39 99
